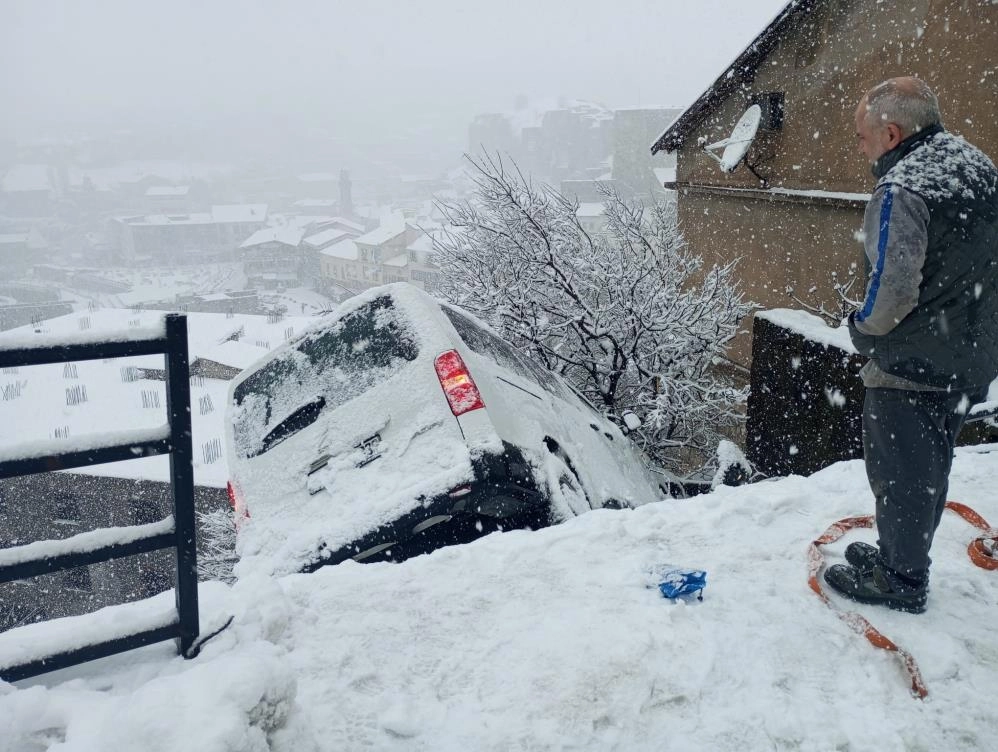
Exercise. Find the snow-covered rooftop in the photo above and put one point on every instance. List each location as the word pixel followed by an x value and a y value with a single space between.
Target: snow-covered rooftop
pixel 398 261
pixel 239 213
pixel 326 237
pixel 26 177
pixel 422 244
pixel 590 209
pixel 348 223
pixel 382 235
pixel 286 235
pixel 323 203
pixel 168 190
pixel 218 215
pixel 319 177
pixel 345 249
pixel 109 178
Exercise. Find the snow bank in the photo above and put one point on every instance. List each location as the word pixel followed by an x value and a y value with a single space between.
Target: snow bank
pixel 238 695
pixel 559 640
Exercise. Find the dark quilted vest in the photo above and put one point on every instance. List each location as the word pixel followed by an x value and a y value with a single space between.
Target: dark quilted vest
pixel 950 339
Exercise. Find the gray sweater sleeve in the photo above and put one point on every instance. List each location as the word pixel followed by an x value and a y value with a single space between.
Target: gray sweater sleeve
pixel 896 226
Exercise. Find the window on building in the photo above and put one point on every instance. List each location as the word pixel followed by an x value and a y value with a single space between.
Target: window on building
pixel 771 103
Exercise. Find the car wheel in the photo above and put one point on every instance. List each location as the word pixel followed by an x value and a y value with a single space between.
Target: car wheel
pixel 568 497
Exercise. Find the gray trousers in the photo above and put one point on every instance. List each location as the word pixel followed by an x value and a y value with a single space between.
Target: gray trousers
pixel 908 441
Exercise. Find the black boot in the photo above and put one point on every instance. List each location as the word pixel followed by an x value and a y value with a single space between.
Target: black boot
pixel 863 556
pixel 880 586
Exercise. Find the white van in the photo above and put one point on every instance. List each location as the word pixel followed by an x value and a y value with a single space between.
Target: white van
pixel 398 424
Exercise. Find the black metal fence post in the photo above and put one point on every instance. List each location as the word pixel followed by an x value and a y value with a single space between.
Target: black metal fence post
pixel 178 409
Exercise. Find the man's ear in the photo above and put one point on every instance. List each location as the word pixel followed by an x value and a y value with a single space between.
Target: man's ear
pixel 894 135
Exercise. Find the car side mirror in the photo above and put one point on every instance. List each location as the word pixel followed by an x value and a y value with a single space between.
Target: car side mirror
pixel 631 421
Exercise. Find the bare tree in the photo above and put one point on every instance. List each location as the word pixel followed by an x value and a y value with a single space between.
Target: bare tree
pixel 217 546
pixel 628 315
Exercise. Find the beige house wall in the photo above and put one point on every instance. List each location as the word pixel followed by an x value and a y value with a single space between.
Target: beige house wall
pixel 823 65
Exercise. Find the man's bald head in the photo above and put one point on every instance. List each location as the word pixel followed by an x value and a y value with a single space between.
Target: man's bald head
pixel 906 101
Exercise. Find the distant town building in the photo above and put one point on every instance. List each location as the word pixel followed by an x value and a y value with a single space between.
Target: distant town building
pixel 185 238
pixel 577 145
pixel 346 193
pixel 168 199
pixel 19 251
pixel 273 256
pixel 634 129
pixel 28 190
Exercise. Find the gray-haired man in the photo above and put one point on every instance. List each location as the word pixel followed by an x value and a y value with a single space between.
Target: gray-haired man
pixel 928 323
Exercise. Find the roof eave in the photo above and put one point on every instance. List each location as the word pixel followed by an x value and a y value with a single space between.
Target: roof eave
pixel 746 65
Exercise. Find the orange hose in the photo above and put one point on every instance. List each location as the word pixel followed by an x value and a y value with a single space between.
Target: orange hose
pixel 977 551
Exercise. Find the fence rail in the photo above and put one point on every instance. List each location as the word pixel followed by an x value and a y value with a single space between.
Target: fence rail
pixel 84 549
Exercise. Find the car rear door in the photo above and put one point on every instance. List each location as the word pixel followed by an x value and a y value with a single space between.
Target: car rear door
pixel 345 430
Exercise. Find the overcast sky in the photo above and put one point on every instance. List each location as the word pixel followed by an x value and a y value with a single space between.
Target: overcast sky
pixel 367 68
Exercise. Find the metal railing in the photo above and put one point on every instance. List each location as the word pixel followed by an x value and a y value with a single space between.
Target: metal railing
pixel 80 550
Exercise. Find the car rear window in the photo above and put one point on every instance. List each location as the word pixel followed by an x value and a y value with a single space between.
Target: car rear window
pixel 483 342
pixel 327 369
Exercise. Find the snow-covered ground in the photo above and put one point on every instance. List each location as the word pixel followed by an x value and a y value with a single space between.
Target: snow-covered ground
pixel 559 640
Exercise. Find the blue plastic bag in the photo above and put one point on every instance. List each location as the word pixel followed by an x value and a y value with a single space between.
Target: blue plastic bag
pixel 680 582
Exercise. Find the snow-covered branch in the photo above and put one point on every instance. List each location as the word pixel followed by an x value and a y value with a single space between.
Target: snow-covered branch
pixel 628 315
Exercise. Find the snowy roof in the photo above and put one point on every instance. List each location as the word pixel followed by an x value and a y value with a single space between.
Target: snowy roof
pixel 316 202
pixel 318 177
pixel 349 224
pixel 382 234
pixel 735 76
pixel 26 177
pixel 590 209
pixel 32 238
pixel 168 190
pixel 304 221
pixel 398 261
pixel 287 235
pixel 423 244
pixel 345 249
pixel 108 178
pixel 326 237
pixel 218 215
pixel 239 213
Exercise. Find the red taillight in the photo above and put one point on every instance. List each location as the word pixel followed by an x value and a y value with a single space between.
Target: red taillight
pixel 236 501
pixel 459 388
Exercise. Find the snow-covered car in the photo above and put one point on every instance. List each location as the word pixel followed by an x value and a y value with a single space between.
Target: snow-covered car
pixel 398 424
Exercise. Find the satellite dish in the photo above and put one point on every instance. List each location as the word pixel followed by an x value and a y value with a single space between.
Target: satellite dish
pixel 737 144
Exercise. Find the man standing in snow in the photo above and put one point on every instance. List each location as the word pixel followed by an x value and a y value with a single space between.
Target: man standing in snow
pixel 928 323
